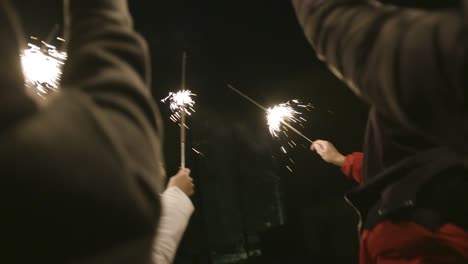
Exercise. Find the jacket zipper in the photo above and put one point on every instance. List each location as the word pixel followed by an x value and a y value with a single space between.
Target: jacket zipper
pixel 359 225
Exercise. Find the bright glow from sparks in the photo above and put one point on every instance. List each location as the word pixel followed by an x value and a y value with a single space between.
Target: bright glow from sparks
pixel 279 114
pixel 282 120
pixel 42 67
pixel 180 101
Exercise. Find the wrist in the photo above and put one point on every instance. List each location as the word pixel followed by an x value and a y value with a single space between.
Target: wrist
pixel 339 160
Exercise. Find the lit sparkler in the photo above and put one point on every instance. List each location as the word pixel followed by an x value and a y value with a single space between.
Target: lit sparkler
pixel 277 115
pixel 280 116
pixel 42 67
pixel 181 102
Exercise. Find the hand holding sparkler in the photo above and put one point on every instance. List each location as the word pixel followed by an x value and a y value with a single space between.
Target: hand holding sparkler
pixel 183 181
pixel 328 152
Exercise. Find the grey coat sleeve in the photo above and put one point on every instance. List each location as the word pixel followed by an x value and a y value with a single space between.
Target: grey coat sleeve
pixel 108 61
pixel 84 170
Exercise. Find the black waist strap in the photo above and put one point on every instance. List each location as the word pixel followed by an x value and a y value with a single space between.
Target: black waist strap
pixel 442 200
pixel 425 217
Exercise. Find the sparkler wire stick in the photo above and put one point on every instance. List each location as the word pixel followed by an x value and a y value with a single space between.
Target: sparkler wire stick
pixel 182 114
pixel 297 131
pixel 264 109
pixel 248 98
pixel 52 34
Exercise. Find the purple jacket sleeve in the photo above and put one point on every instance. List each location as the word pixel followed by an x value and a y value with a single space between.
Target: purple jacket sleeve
pixel 399 60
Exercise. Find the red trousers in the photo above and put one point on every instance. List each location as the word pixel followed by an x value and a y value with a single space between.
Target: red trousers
pixel 410 243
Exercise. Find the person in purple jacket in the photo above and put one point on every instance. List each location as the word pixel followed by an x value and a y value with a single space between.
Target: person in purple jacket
pixel 410 65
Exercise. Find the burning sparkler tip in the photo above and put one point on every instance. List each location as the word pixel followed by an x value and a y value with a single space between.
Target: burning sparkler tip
pixel 42 67
pixel 180 102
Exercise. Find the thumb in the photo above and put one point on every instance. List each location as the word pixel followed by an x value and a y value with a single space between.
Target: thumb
pixel 319 147
pixel 312 147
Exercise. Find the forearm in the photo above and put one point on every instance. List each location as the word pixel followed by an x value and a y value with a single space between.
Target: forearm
pixel 107 59
pixel 108 65
pixel 176 211
pixel 397 59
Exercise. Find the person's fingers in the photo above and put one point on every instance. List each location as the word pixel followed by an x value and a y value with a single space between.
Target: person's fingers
pixel 319 146
pixel 312 147
pixel 184 171
pixel 323 145
pixel 320 141
pixel 192 190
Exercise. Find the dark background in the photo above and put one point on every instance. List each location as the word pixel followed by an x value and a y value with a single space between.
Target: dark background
pixel 249 207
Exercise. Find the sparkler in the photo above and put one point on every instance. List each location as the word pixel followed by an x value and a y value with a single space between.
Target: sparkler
pixel 181 104
pixel 279 115
pixel 42 67
pixel 278 119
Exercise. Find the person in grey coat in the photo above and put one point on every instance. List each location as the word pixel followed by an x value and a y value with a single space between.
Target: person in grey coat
pixel 81 174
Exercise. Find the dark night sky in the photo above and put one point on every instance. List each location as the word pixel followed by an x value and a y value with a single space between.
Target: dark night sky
pixel 258 47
